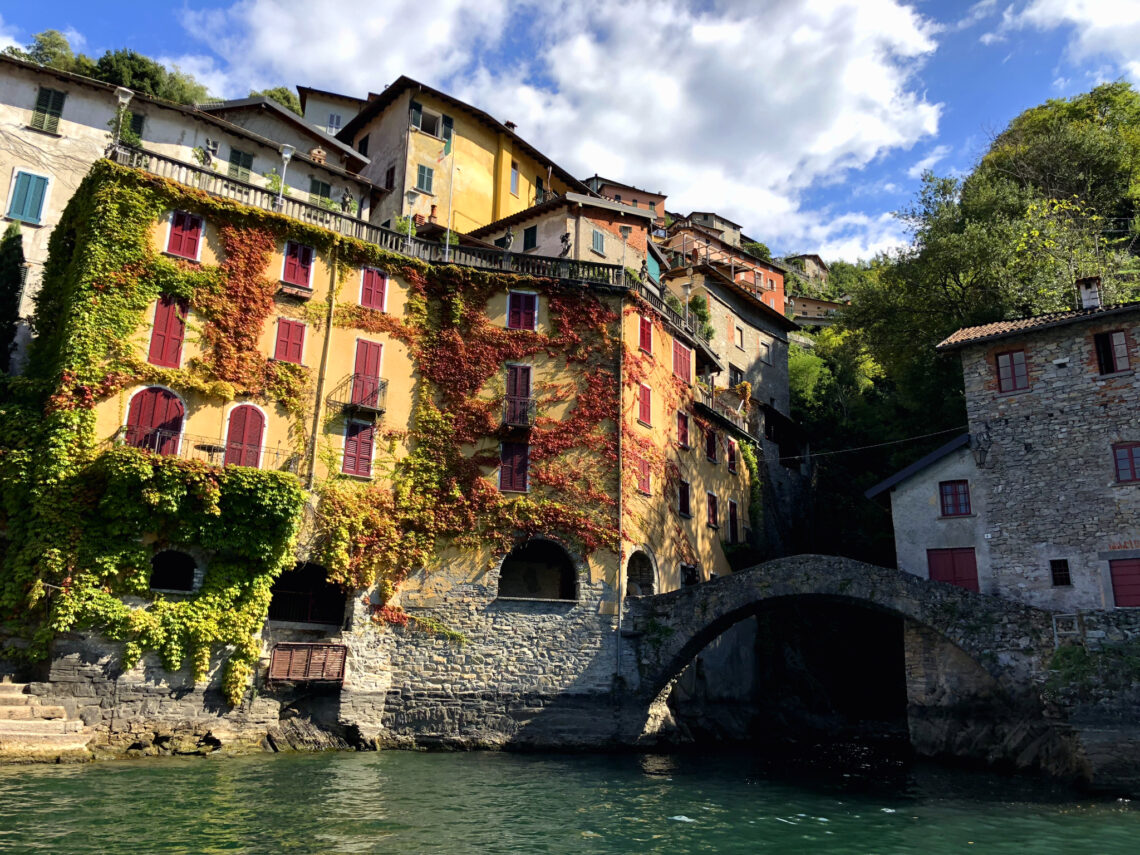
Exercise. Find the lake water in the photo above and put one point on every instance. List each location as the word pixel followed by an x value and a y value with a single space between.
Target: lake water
pixel 407 802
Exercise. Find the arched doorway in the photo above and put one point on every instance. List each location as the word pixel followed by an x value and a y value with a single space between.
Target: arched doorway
pixel 305 595
pixel 154 420
pixel 540 570
pixel 244 436
pixel 639 576
pixel 171 570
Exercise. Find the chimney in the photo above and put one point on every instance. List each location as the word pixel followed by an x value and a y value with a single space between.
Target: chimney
pixel 431 216
pixel 1089 290
pixel 510 125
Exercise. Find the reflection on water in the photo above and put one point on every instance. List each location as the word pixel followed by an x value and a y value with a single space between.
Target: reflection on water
pixel 403 802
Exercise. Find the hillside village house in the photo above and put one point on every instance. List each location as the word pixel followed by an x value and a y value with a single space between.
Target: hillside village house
pixel 329 111
pixel 1039 502
pixel 55 125
pixel 627 194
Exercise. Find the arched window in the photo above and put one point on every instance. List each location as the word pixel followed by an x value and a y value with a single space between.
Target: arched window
pixel 639 575
pixel 305 595
pixel 154 421
pixel 540 570
pixel 171 570
pixel 244 436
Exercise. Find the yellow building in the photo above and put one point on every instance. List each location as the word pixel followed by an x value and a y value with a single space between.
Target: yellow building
pixel 490 173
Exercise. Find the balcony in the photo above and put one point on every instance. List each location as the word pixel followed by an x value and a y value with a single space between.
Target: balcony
pixel 518 412
pixel 211 450
pixel 307 663
pixel 725 404
pixel 359 393
pixel 219 184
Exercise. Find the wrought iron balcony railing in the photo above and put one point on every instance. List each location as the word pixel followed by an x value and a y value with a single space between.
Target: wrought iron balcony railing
pixel 671 315
pixel 359 393
pixel 212 450
pixel 518 412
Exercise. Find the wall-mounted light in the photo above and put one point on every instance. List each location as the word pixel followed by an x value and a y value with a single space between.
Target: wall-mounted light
pixel 287 152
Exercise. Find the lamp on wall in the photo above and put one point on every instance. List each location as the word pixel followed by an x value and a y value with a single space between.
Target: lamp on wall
pixel 625 230
pixel 286 155
pixel 124 96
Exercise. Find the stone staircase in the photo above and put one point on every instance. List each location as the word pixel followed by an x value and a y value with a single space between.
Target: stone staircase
pixel 33 732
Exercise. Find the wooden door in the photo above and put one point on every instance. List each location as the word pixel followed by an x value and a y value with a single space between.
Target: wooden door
pixel 366 375
pixel 243 440
pixel 154 421
pixel 954 566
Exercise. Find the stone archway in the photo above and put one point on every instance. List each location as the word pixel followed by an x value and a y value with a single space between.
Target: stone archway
pixel 539 569
pixel 640 575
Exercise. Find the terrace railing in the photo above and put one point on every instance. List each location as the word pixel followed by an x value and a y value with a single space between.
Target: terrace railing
pixel 211 450
pixel 723 408
pixel 360 393
pixel 518 412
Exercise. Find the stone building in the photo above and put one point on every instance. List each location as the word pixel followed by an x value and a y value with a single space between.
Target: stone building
pixel 627 194
pixel 1041 505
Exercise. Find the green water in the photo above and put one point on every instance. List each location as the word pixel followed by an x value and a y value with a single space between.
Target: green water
pixel 402 802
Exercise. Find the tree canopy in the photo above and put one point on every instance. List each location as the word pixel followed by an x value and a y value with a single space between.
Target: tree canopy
pixel 283 95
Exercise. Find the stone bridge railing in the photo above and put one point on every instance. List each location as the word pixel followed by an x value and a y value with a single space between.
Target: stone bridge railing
pixel 1012 642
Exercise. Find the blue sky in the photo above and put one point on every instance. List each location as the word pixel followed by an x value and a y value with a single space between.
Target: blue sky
pixel 808 121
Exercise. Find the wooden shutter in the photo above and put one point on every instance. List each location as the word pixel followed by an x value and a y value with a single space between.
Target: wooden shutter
pixel 682 429
pixel 448 127
pixel 733 518
pixel 1125 581
pixel 643 475
pixel 417 114
pixel 953 566
pixel 185 235
pixel 298 264
pixel 154 421
pixel 358 449
pixel 710 445
pixel 732 455
pixel 529 310
pixel 645 407
pixel 521 311
pixel 243 439
pixel 49 107
pixel 168 333
pixel 683 498
pixel 290 341
pixel 373 289
pixel 366 375
pixel 27 199
pixel 646 334
pixel 514 463
pixel 712 510
pixel 681 361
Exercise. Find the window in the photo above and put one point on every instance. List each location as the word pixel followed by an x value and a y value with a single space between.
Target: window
pixel 740 337
pixel 290 341
pixel 522 311
pixel 617 197
pixel 645 334
pixel 171 570
pixel 427 122
pixel 645 405
pixel 1127 457
pixel 682 429
pixel 319 191
pixel 168 332
pixel 1111 351
pixel 710 444
pixel 514 177
pixel 390 178
pixel 185 239
pixel 1012 372
pixel 643 476
pixel 27 201
pixel 683 501
pixel 953 566
pixel 154 421
pixel 517 405
pixel 955 497
pixel 653 208
pixel 765 352
pixel 241 164
pixel 689 575
pixel 374 289
pixel 538 570
pixel 362 146
pixel 599 244
pixel 1125 581
pixel 366 384
pixel 298 269
pixel 539 190
pixel 1059 570
pixel 710 498
pixel 682 362
pixel 358 437
pixel 135 122
pixel 49 108
pixel 732 455
pixel 733 522
pixel 334 124
pixel 633 202
pixel 244 435
pixel 514 462
pixel 735 376
pixel 424 177
pixel 530 238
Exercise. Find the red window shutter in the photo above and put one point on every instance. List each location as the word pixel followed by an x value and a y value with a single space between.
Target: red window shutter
pixel 710 445
pixel 683 498
pixel 185 235
pixel 514 459
pixel 646 334
pixel 681 363
pixel 682 429
pixel 731 455
pixel 518 394
pixel 953 566
pixel 529 311
pixel 298 264
pixel 243 439
pixel 514 311
pixel 712 510
pixel 290 341
pixel 168 333
pixel 154 421
pixel 357 449
pixel 373 289
pixel 1125 581
pixel 643 475
pixel 177 230
pixel 366 376
pixel 732 522
pixel 645 405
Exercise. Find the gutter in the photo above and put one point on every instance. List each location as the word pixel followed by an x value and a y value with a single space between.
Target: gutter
pixel 311 480
pixel 621 488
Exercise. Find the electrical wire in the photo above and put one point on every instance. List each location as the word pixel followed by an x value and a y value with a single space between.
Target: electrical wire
pixel 876 445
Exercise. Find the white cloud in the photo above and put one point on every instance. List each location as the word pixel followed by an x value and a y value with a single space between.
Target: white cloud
pixel 936 154
pixel 8 36
pixel 975 15
pixel 723 106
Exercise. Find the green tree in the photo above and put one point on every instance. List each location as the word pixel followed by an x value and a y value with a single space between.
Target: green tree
pixel 283 95
pixel 141 73
pixel 11 284
pixel 754 247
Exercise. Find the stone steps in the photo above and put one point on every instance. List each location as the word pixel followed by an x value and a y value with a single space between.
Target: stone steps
pixel 33 732
pixel 29 711
pixel 16 700
pixel 13 688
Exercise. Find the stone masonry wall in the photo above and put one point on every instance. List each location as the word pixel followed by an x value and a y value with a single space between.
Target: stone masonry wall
pixel 1051 482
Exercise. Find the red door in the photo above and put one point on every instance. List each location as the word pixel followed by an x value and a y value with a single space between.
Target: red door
pixel 366 377
pixel 169 330
pixel 243 440
pixel 518 394
pixel 154 421
pixel 954 566
pixel 1125 581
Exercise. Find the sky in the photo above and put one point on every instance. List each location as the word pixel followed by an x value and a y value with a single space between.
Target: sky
pixel 806 121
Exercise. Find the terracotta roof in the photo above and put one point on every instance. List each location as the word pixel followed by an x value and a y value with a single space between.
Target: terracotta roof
pixel 1017 326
